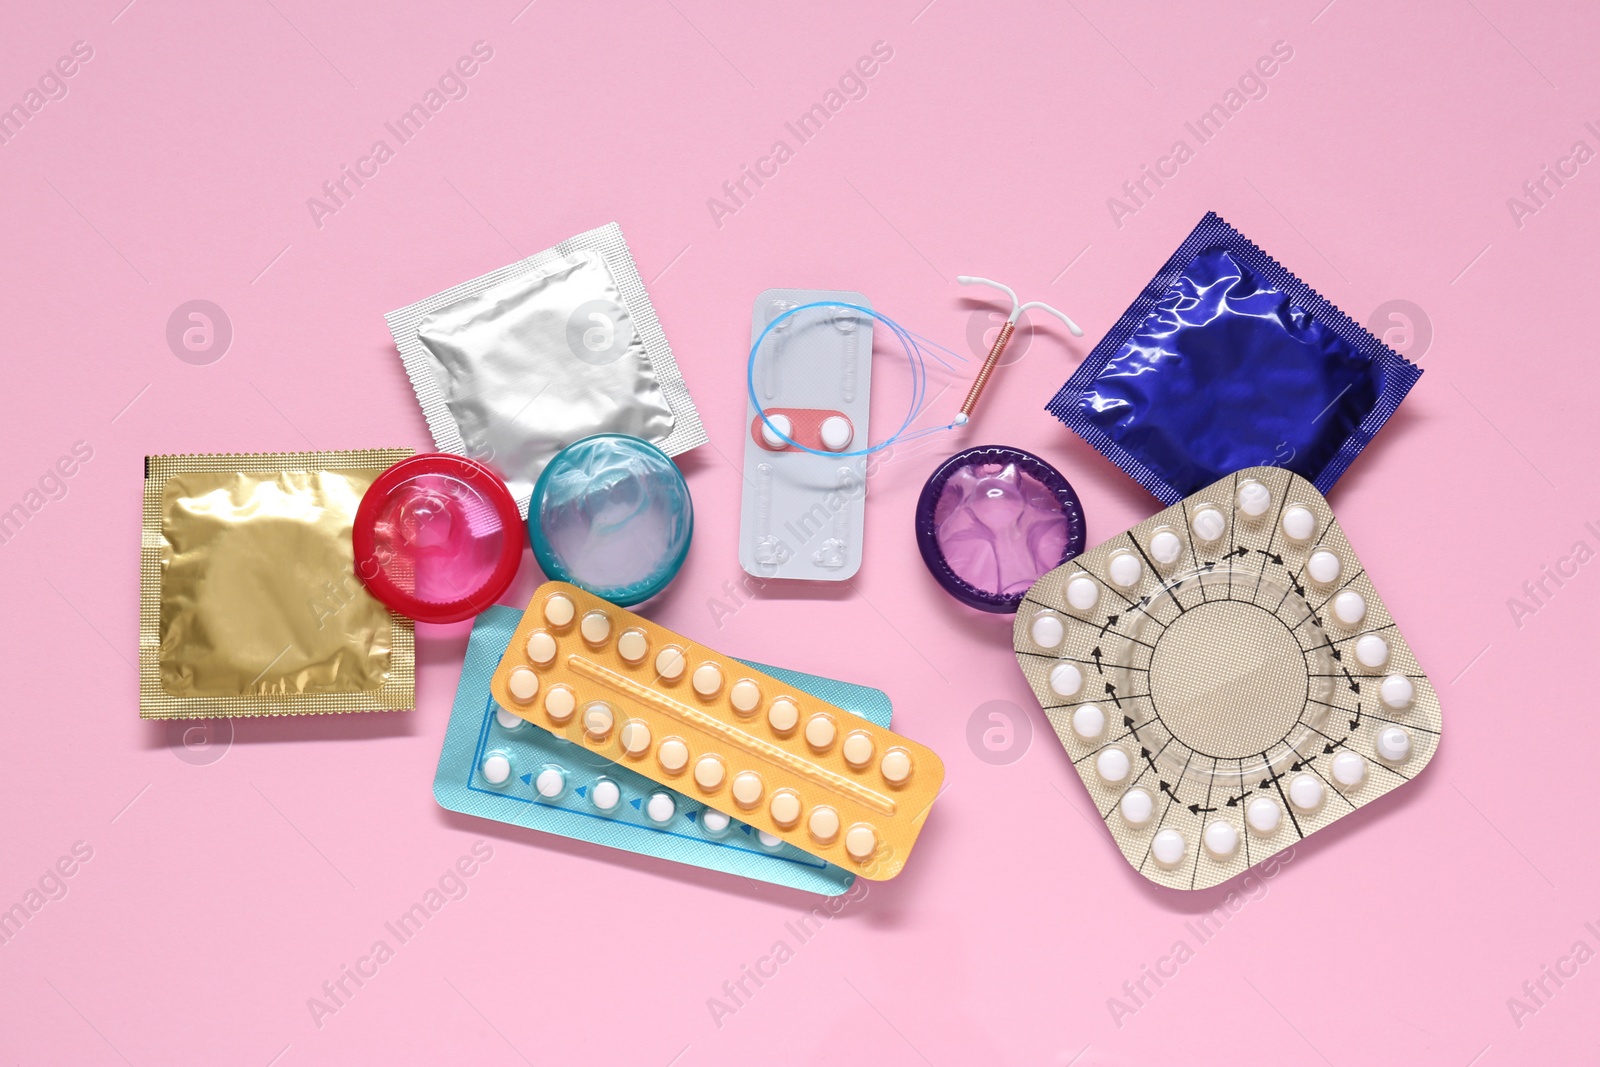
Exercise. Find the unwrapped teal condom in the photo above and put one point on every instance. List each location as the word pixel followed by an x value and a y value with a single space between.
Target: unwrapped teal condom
pixel 612 515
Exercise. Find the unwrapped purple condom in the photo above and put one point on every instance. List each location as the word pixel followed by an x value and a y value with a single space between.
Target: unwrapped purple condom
pixel 991 520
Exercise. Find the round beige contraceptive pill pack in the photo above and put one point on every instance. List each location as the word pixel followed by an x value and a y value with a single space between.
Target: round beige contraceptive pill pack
pixel 1226 679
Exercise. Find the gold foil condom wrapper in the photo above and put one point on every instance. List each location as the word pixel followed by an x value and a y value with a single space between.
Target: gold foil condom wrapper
pixel 249 603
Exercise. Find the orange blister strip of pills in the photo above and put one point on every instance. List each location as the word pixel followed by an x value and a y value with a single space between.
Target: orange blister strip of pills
pixel 709 726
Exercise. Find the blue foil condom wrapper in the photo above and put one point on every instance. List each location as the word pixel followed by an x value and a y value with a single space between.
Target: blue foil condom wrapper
pixel 1227 360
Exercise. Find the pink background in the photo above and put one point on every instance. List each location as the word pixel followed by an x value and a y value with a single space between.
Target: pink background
pixel 221 895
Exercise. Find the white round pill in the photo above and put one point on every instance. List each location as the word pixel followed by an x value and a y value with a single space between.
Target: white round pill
pixel 1065 679
pixel 1298 523
pixel 1112 765
pixel 1305 792
pixel 598 718
pixel 1372 650
pixel 857 749
pixel 745 696
pixel 1208 524
pixel 895 766
pixel 1397 692
pixel 635 737
pixel 1350 607
pixel 595 627
pixel 1137 806
pixel 1082 592
pixel 660 807
pixel 551 782
pixel 558 610
pixel 1047 630
pixel 783 715
pixel 1168 847
pixel 1394 744
pixel 836 433
pixel 774 425
pixel 708 773
pixel 670 663
pixel 820 731
pixel 823 823
pixel 506 720
pixel 747 789
pixel 1165 547
pixel 633 646
pixel 673 755
pixel 1349 768
pixel 496 768
pixel 1125 569
pixel 714 822
pixel 1221 838
pixel 861 842
pixel 606 794
pixel 559 703
pixel 541 647
pixel 707 679
pixel 785 807
pixel 767 840
pixel 1088 721
pixel 1263 815
pixel 1323 566
pixel 523 685
pixel 1254 500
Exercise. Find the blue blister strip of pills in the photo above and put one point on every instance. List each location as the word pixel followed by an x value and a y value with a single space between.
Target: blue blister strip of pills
pixel 497 766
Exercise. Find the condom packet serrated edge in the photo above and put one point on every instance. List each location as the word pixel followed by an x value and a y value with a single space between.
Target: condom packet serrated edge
pixel 687 431
pixel 458 784
pixel 397 691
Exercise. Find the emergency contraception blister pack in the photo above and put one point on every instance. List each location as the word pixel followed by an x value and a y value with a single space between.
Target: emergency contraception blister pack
pixel 1226 678
pixel 497 766
pixel 736 738
pixel 803 513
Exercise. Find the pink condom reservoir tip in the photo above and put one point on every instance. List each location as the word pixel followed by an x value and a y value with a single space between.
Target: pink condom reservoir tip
pixel 437 538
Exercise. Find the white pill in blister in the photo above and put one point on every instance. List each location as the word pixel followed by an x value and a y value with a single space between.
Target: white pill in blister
pixel 1349 768
pixel 1305 791
pixel 1112 764
pixel 745 696
pixel 1394 744
pixel 857 749
pixel 861 842
pixel 1263 815
pixel 714 822
pixel 673 754
pixel 1088 721
pixel 774 425
pixel 1168 847
pixel 1083 593
pixel 558 610
pixel 606 794
pixel 785 807
pixel 1254 500
pixel 1221 838
pixel 551 782
pixel 1397 692
pixel 506 720
pixel 1065 679
pixel 598 718
pixel 634 737
pixel 1323 566
pixel 1125 569
pixel 1047 630
pixel 633 645
pixel 1350 607
pixel 747 789
pixel 1137 806
pixel 823 823
pixel 768 840
pixel 670 663
pixel 595 627
pixel 783 716
pixel 895 766
pixel 496 768
pixel 836 433
pixel 708 773
pixel 1298 523
pixel 820 731
pixel 660 807
pixel 1372 650
pixel 541 647
pixel 559 703
pixel 523 685
pixel 1165 547
pixel 1208 524
pixel 707 679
